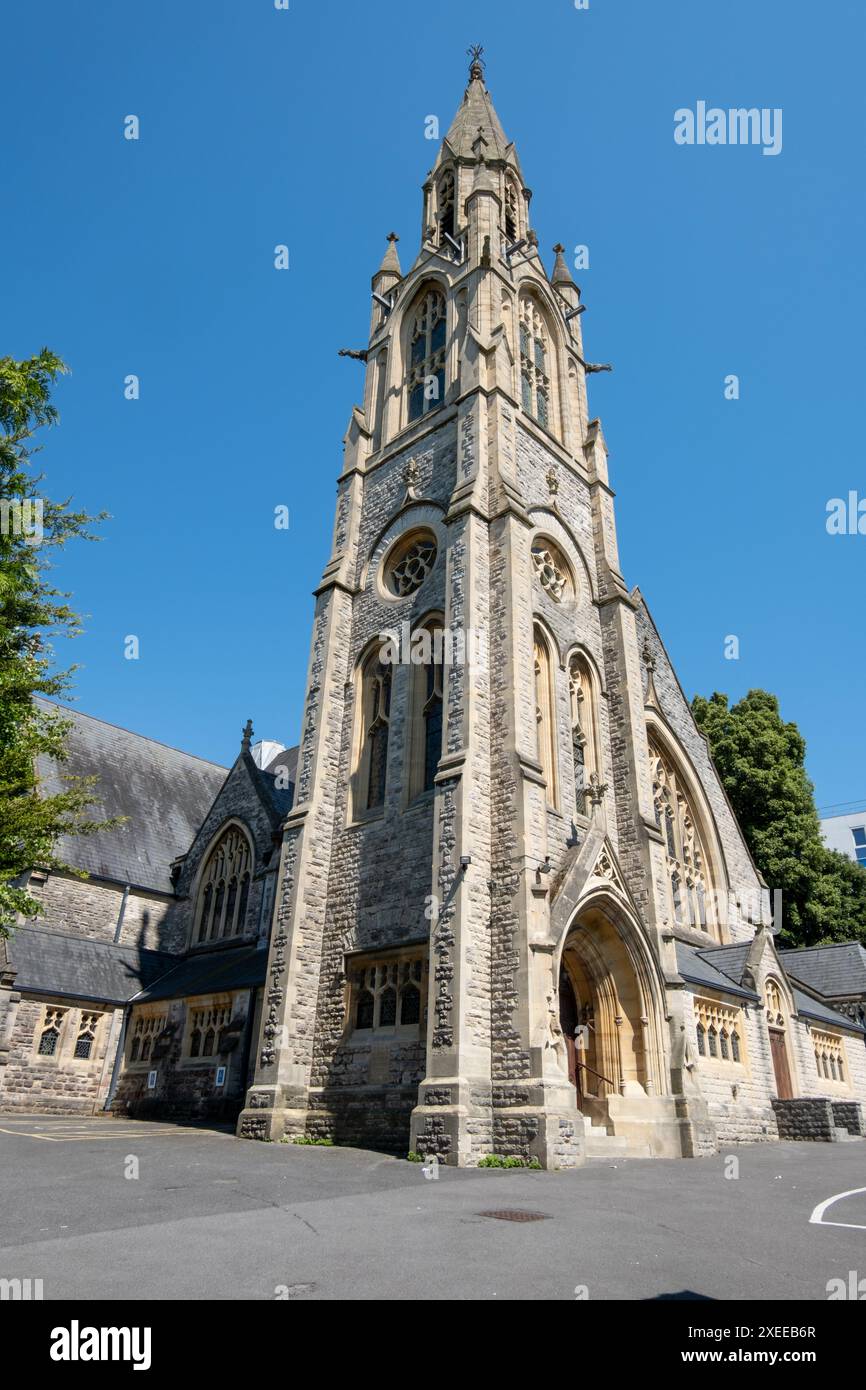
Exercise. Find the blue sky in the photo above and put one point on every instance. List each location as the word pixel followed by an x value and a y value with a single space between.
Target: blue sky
pixel 306 127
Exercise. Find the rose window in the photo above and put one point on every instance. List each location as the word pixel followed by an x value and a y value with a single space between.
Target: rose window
pixel 412 566
pixel 552 571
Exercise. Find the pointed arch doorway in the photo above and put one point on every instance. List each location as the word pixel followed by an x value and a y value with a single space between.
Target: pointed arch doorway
pixel 605 1014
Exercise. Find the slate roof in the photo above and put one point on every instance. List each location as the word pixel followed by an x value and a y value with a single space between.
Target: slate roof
pixel 281 797
pixel 721 967
pixel 694 967
pixel 811 1008
pixel 165 793
pixel 205 972
pixel 834 971
pixel 76 967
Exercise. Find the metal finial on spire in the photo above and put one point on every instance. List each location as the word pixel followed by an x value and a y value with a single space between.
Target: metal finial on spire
pixel 476 66
pixel 246 740
pixel 392 236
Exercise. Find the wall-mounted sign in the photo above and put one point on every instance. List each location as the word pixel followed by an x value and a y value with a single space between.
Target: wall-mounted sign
pixel 151 1080
pixel 220 1076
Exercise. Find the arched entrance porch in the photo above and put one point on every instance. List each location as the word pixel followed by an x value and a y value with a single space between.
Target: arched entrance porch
pixel 612 1014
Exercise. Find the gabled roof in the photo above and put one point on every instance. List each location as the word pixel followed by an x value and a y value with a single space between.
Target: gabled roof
pixel 836 971
pixel 694 967
pixel 281 768
pixel 721 967
pixel 165 794
pixel 77 967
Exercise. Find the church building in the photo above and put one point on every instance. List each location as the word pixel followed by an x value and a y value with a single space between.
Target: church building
pixel 496 901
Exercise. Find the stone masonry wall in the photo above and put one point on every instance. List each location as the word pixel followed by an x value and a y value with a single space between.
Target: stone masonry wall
pixel 738 1095
pixel 61 1084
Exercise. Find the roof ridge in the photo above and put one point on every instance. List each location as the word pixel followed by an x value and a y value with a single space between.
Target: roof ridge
pixel 145 738
pixel 91 940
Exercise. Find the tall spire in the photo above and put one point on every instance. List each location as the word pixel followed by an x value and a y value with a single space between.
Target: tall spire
pixel 391 261
pixel 561 273
pixel 476 123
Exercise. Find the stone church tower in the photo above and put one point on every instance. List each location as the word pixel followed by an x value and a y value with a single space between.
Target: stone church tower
pixel 509 864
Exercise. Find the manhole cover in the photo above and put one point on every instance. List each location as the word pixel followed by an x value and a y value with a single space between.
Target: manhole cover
pixel 509 1214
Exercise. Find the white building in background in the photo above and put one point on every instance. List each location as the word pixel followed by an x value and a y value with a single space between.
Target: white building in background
pixel 847 833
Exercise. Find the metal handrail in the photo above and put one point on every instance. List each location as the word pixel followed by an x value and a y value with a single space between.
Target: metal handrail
pixel 595 1073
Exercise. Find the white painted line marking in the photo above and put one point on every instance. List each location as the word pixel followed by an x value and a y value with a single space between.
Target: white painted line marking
pixel 817 1217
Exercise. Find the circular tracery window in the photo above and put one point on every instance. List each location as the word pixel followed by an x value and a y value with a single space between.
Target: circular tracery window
pixel 553 573
pixel 410 564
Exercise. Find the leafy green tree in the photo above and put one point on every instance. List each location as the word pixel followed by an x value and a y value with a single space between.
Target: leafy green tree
pixel 32 613
pixel 761 761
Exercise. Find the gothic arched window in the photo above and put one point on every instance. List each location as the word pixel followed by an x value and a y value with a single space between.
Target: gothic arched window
pixel 688 869
pixel 544 714
pixel 584 729
pixel 375 728
pixel 426 706
pixel 426 374
pixel 445 198
pixel 512 220
pixel 534 363
pixel 224 888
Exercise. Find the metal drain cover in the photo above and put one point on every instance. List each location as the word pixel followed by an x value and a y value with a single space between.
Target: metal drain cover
pixel 514 1214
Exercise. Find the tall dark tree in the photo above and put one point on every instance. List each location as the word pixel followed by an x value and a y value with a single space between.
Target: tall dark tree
pixel 32 614
pixel 761 761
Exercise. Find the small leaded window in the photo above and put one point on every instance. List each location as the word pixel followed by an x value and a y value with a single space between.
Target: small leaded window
pixel 51 1028
pixel 426 380
pixel 534 373
pixel 735 1047
pixel 702 1040
pixel 86 1035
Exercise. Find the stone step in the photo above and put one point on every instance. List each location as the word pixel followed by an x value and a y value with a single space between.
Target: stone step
pixel 600 1144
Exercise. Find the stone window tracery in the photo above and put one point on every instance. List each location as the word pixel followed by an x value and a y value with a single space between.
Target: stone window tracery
pixel 552 569
pixel 386 993
pixel 426 374
pixel 719 1030
pixel 774 1004
pixel 534 367
pixel 829 1056
pixel 52 1028
pixel 224 888
pixel 205 1026
pixel 411 563
pixel 687 865
pixel 145 1031
pixel 86 1038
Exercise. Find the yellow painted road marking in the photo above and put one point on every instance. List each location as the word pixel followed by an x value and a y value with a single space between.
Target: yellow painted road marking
pixel 103 1134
